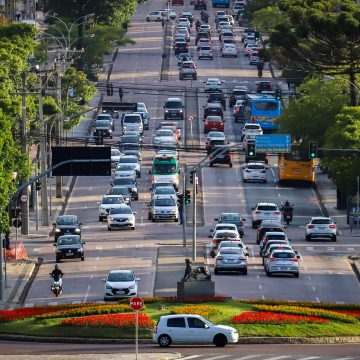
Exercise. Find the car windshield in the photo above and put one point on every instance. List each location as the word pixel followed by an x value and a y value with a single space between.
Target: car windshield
pixel 225 227
pixel 117 277
pixel 67 221
pixel 123 210
pixel 267 208
pixel 102 123
pixel 161 133
pixel 129 139
pixel 165 202
pixel 173 104
pixel 165 191
pixel 321 221
pixel 132 119
pixel 256 167
pixel 124 181
pixel 127 160
pixel 115 152
pixel 276 237
pixel 232 251
pixel 165 168
pixel 266 105
pixel 112 200
pixel 226 234
pixel 69 240
pixel 230 217
pixel 125 167
pixel 119 191
pixel 252 127
pixel 130 147
pixel 284 255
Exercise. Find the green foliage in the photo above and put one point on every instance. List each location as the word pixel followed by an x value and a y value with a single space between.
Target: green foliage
pixel 313 111
pixel 344 134
pixel 265 20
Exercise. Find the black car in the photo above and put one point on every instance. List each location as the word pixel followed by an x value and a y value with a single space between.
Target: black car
pixel 69 247
pixel 131 149
pixel 130 183
pixel 67 225
pixel 121 190
pixel 104 128
pixel 213 109
pixel 214 142
pixel 267 226
pixel 181 47
pixel 217 98
pixel 263 86
pixel 130 139
pixel 238 93
pixel 223 158
pixel 200 5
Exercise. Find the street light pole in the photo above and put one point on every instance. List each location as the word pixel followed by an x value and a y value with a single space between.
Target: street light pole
pixel 194 217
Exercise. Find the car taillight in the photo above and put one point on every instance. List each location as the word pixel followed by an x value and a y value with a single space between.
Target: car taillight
pixel 273 259
pixel 230 156
pixel 294 260
pixel 276 212
pixel 241 223
pixel 311 226
pixel 155 330
pixel 332 226
pixel 257 212
pixel 219 258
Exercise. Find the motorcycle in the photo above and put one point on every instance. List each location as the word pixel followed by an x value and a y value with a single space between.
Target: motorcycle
pixel 56 286
pixel 287 215
pixel 204 17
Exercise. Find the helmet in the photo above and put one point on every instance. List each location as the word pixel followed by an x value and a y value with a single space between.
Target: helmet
pixel 57 266
pixel 287 203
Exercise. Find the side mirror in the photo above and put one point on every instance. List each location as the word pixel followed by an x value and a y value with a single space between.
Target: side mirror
pixel 80 224
pixel 83 242
pixel 252 208
pixel 212 230
pixel 246 254
pixel 298 256
pixel 216 219
pixel 210 236
pixel 243 219
pixel 54 224
pixel 134 212
pixel 103 280
pixel 54 244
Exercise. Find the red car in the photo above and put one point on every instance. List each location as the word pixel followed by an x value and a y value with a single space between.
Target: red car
pixel 213 123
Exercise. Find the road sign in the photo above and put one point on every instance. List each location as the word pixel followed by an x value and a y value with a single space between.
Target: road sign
pixel 17 223
pixel 274 143
pixel 136 303
pixel 24 198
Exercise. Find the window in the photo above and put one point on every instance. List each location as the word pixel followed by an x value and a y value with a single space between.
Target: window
pixel 196 323
pixel 176 322
pixel 321 221
pixel 164 168
pixel 265 105
pixel 267 208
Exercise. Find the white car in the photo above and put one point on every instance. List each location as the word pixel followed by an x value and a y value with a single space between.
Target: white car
pixel 265 211
pixel 163 208
pixel 120 284
pixel 164 136
pixel 213 84
pixel 192 329
pixel 115 156
pixel 229 50
pixel 164 190
pixel 252 128
pixel 121 217
pixel 248 138
pixel 108 202
pixel 224 226
pixel 255 172
pixel 154 16
pixel 170 13
pixel 125 170
pixel 132 160
pixel 215 135
pixel 320 228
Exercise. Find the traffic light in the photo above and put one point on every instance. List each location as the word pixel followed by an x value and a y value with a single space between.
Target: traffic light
pixel 250 150
pixel 109 89
pixel 180 199
pixel 38 185
pixel 257 35
pixel 192 177
pixel 278 94
pixel 313 148
pixel 6 241
pixel 187 197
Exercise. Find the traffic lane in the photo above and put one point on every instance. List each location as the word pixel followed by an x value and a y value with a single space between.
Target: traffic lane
pixel 329 350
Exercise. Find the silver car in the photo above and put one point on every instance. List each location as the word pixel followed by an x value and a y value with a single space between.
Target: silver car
pixel 121 217
pixel 160 191
pixel 131 160
pixel 283 262
pixel 163 208
pixel 231 259
pixel 125 170
pixel 108 202
pixel 164 136
pixel 320 227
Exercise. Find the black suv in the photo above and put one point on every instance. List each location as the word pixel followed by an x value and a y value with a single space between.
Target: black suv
pixel 181 47
pixel 238 93
pixel 200 5
pixel 130 183
pixel 174 109
pixel 267 226
pixel 69 247
pixel 224 158
pixel 217 98
pixel 104 128
pixel 202 34
pixel 67 225
pixel 213 109
pixel 263 86
pixel 213 143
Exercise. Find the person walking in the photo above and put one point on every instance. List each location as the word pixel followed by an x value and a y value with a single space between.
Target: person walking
pixel 162 22
pixel 121 94
pixel 181 212
pixel 260 67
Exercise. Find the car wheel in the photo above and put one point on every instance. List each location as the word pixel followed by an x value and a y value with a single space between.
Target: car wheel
pixel 307 238
pixel 216 271
pixel 58 259
pixel 149 216
pixel 220 340
pixel 231 165
pixel 265 181
pixel 133 228
pixel 333 238
pixel 109 228
pixel 244 180
pixel 253 225
pixel 83 258
pixel 176 220
pixel 296 275
pixel 212 254
pixel 211 164
pixel 269 274
pixel 100 219
pixel 164 340
pixel 244 272
pixel 147 19
pixel 153 220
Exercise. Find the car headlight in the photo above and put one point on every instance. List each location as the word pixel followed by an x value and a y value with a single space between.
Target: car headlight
pixel 77 230
pixel 166 111
pixel 156 211
pixel 180 110
pixel 80 250
pixel 132 287
pixel 108 287
pixel 173 211
pixel 57 230
pixel 111 218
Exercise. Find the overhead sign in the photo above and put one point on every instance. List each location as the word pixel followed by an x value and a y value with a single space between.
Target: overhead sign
pixel 274 143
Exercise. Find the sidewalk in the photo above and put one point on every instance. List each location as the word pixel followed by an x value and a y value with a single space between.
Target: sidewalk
pixel 130 356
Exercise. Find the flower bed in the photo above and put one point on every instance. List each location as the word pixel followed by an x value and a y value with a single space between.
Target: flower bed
pixel 88 310
pixel 202 310
pixel 355 313
pixel 110 320
pixel 297 310
pixel 268 317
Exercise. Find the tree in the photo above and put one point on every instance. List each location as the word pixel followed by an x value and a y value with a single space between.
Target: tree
pixel 323 37
pixel 265 20
pixel 313 111
pixel 344 134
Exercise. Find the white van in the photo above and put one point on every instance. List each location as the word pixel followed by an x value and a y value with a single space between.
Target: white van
pixel 132 122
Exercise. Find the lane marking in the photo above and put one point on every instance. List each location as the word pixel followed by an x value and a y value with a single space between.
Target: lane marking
pixel 217 357
pixel 310 248
pixel 87 293
pixel 317 299
pixel 278 357
pixel 309 358
pixel 331 248
pixel 76 302
pixel 313 288
pixel 350 249
pixel 29 305
pixel 263 297
pixel 247 357
pixel 37 249
pixel 260 287
pixel 53 303
pixel 190 357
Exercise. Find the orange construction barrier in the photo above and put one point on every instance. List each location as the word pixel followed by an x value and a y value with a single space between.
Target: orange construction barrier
pixel 18 253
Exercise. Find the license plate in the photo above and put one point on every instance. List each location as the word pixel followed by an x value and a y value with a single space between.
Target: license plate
pixel 321 227
pixel 69 254
pixel 120 292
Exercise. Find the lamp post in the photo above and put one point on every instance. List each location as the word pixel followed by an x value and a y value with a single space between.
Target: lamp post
pixel 354 100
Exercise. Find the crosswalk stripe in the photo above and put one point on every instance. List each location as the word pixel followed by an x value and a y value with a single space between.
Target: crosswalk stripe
pixel 190 357
pixel 331 248
pixel 278 357
pixel 345 358
pixel 247 357
pixel 53 303
pixel 217 357
pixel 310 248
pixel 351 249
pixel 309 358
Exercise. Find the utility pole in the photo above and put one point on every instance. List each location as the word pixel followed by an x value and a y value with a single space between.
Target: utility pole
pixel 1 266
pixel 24 192
pixel 59 125
pixel 43 181
pixel 194 218
pixel 184 211
pixel 357 202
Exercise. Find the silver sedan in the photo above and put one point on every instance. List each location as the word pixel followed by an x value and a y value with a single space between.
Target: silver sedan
pixel 231 259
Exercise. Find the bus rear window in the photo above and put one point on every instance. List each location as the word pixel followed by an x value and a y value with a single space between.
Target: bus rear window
pixel 165 168
pixel 265 105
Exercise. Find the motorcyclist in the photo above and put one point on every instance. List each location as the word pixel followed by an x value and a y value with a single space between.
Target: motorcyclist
pixel 288 209
pixel 204 15
pixel 57 274
pixel 197 24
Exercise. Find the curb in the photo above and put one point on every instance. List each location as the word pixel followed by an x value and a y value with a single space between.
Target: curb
pixel 245 340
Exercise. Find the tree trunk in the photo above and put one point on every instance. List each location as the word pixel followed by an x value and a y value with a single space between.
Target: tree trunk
pixel 354 91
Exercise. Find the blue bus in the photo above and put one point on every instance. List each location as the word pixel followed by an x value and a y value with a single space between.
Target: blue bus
pixel 223 3
pixel 262 109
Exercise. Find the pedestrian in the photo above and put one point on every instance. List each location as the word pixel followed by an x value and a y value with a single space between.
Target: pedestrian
pixel 162 22
pixel 121 94
pixel 181 213
pixel 260 67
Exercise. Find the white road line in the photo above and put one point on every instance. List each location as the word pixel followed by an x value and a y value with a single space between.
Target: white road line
pixel 247 357
pixel 118 246
pixel 329 272
pixel 317 299
pixel 76 302
pixel 218 357
pixel 37 249
pixel 260 287
pixel 97 258
pixel 258 276
pixel 53 303
pixel 340 302
pixel 309 358
pixel 263 297
pixel 331 248
pixel 99 248
pixel 345 358
pixel 87 293
pixel 278 357
pixel 310 248
pixel 313 288
pixel 350 249
pixel 190 357
pixel 29 305
pixel 142 219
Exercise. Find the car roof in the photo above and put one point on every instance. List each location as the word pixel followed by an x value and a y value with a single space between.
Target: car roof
pixel 173 99
pixel 213 79
pixel 265 203
pixel 121 271
pixel 67 216
pixel 320 218
pixel 165 317
pixel 274 233
pixel 255 163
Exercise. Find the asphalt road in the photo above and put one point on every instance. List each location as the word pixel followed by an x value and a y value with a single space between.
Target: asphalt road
pixel 325 273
